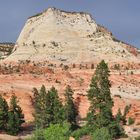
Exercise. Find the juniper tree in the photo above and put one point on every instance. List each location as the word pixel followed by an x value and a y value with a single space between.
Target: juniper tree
pixel 70 109
pixel 99 95
pixel 3 113
pixel 15 117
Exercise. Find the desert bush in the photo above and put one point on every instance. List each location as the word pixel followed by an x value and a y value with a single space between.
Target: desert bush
pixel 131 121
pixel 66 67
pixel 132 72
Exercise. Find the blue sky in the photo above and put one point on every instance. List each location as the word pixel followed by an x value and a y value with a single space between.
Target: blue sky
pixel 121 17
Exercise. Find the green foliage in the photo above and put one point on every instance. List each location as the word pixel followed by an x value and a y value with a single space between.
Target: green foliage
pixel 126 111
pixel 41 119
pixel 53 132
pixel 131 121
pixel 48 107
pixel 137 138
pixel 70 109
pixel 55 107
pixel 3 113
pixel 10 51
pixel 15 117
pixel 100 111
pixel 38 135
pixel 119 116
pixel 35 15
pixel 115 129
pixel 100 97
pixel 59 131
pixel 101 134
pixel 77 134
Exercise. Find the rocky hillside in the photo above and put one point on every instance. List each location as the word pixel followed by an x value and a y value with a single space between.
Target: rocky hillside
pixel 58 48
pixel 69 37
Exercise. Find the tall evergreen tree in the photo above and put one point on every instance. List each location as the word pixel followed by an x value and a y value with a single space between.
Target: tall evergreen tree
pixel 48 107
pixel 70 109
pixel 3 113
pixel 119 116
pixel 55 107
pixel 99 95
pixel 15 117
pixel 40 101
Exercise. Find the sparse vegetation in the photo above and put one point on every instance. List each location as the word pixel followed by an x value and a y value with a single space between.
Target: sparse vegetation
pixel 35 15
pixel 65 67
pixel 117 67
pixel 92 66
pixel 131 121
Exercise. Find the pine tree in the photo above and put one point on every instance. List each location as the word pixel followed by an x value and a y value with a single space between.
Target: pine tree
pixel 55 107
pixel 126 111
pixel 15 117
pixel 119 116
pixel 100 111
pixel 40 101
pixel 70 109
pixel 48 107
pixel 3 113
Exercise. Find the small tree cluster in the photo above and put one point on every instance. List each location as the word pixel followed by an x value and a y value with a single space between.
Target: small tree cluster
pixel 50 110
pixel 11 117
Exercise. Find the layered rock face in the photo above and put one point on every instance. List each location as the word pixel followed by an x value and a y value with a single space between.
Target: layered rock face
pixel 68 37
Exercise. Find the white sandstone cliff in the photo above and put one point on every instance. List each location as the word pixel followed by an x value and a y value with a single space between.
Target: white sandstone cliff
pixel 67 37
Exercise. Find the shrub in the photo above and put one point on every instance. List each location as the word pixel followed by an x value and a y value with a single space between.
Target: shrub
pixel 66 67
pixel 61 132
pixel 92 66
pixel 131 121
pixel 77 134
pixel 53 132
pixel 101 134
pixel 74 66
pixel 38 135
pixel 137 138
pixel 132 72
pixel 117 67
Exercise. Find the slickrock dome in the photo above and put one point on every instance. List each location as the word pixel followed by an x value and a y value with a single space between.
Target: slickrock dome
pixel 68 37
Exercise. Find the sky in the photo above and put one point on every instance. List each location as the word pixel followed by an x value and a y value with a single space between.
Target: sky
pixel 121 17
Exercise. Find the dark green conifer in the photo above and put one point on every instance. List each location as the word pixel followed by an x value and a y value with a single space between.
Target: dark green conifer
pixel 3 113
pixel 100 111
pixel 48 107
pixel 70 109
pixel 55 108
pixel 40 101
pixel 15 117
